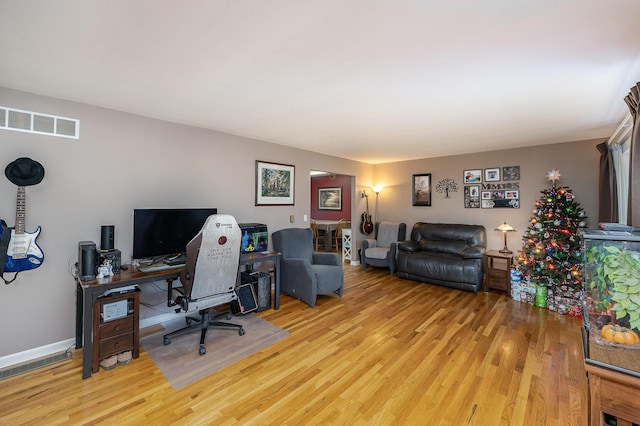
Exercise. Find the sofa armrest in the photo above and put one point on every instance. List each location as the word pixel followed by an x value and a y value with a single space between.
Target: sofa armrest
pixel 408 246
pixel 473 253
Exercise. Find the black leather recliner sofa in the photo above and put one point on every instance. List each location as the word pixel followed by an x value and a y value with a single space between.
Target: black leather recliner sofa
pixel 445 254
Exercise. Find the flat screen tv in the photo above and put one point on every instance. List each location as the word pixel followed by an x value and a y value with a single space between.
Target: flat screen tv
pixel 166 232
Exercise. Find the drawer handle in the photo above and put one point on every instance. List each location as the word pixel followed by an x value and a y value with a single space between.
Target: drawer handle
pixel 117 328
pixel 117 345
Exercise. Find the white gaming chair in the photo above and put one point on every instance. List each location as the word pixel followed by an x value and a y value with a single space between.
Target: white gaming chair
pixel 210 275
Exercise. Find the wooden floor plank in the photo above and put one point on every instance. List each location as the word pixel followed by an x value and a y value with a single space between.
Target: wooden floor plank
pixel 390 351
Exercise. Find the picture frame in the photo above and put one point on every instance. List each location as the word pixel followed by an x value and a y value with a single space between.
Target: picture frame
pixel 421 189
pixel 511 173
pixel 275 184
pixel 492 174
pixel 330 198
pixel 472 176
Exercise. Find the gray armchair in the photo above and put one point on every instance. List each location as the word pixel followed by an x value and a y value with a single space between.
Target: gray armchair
pixel 303 273
pixel 382 250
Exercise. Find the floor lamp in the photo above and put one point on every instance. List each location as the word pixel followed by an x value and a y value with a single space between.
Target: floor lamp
pixel 377 189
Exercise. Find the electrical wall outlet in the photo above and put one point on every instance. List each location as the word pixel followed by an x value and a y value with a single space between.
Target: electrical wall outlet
pixel 304 218
pixel 292 218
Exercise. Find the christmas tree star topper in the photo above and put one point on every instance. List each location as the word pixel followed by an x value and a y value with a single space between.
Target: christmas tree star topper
pixel 553 175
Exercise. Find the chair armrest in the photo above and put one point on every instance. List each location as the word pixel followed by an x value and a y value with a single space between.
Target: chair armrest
pixel 297 266
pixel 473 253
pixel 409 246
pixel 320 258
pixel 369 242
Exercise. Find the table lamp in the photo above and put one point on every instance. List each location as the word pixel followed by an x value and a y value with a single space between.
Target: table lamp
pixel 504 228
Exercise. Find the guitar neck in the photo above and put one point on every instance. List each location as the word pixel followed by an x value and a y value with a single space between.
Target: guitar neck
pixel 20 210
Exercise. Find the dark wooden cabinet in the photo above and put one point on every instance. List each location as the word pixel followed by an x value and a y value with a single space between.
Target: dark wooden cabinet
pixel 114 336
pixel 497 271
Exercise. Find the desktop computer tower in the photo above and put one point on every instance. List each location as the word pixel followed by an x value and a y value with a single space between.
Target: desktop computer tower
pixel 261 283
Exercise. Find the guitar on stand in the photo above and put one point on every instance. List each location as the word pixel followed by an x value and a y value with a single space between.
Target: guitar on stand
pixel 367 225
pixel 19 248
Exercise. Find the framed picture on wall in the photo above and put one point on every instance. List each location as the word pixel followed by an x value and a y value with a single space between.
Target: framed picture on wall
pixel 421 189
pixel 472 176
pixel 274 184
pixel 492 175
pixel 330 198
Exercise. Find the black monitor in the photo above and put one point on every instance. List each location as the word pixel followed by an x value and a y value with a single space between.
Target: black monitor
pixel 166 232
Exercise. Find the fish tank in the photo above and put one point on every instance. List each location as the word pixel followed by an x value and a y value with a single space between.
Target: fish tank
pixel 611 299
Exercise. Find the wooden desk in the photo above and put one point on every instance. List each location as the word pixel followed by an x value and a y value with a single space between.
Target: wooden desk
pixel 87 292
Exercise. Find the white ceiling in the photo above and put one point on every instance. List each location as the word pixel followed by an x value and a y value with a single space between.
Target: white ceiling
pixel 368 80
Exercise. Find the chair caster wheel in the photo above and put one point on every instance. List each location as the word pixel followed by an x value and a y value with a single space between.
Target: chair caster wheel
pixel 241 332
pixel 202 350
pixel 166 341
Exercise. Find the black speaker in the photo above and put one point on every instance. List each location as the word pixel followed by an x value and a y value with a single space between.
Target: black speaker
pixel 87 260
pixel 261 282
pixel 246 301
pixel 107 237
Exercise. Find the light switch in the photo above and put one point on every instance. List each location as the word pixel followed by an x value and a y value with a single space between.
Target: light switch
pixel 292 218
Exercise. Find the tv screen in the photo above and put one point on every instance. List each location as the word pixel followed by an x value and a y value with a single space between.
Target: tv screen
pixel 166 232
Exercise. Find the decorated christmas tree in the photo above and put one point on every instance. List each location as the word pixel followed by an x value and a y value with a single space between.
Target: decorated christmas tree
pixel 551 257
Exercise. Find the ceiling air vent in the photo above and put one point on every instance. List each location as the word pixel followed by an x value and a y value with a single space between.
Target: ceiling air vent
pixel 36 122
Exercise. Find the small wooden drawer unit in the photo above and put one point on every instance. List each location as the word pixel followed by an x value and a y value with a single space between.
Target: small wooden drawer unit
pixel 115 326
pixel 497 269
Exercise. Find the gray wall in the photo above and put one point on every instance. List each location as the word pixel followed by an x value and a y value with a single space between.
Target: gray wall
pixel 578 163
pixel 123 161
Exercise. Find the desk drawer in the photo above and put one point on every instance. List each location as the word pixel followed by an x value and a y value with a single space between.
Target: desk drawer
pixel 498 273
pixel 116 327
pixel 115 345
pixel 499 284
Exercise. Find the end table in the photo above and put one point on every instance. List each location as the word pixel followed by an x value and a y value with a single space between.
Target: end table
pixel 497 269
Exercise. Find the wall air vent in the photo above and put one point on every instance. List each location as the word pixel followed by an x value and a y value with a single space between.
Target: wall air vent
pixel 36 122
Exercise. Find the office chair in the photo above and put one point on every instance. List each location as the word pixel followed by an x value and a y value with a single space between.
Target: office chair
pixel 210 276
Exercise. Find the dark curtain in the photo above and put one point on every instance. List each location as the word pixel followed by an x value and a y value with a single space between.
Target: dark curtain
pixel 608 200
pixel 633 102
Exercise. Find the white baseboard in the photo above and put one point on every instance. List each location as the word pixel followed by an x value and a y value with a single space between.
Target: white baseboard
pixel 35 353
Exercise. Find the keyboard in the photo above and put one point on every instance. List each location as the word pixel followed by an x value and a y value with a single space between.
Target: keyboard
pixel 159 267
pixel 180 260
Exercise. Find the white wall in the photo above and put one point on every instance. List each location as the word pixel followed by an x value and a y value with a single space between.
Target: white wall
pixel 124 161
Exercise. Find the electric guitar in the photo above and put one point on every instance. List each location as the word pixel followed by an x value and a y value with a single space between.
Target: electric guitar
pixel 367 225
pixel 23 253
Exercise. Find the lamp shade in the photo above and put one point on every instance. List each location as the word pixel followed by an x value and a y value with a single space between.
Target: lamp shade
pixel 505 227
pixel 377 188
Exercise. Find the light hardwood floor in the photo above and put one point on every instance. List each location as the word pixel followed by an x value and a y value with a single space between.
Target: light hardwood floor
pixel 389 352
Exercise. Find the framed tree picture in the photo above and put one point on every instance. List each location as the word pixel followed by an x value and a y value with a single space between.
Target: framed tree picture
pixel 421 189
pixel 330 198
pixel 275 184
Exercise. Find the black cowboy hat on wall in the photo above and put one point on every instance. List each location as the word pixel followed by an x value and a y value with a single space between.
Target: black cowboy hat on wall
pixel 24 172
